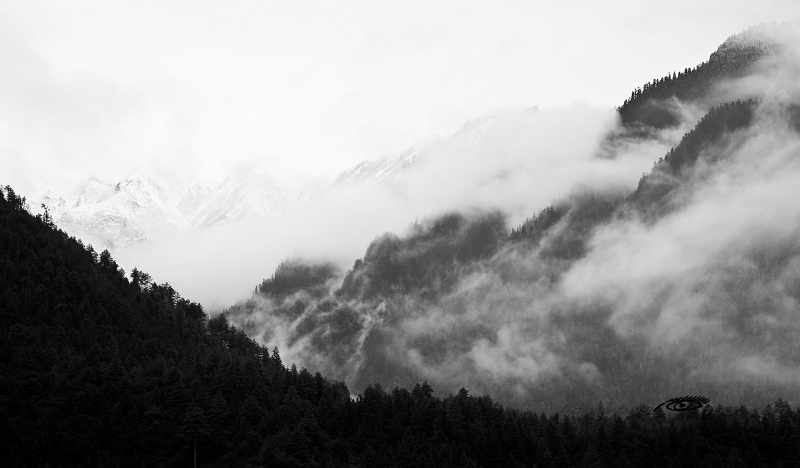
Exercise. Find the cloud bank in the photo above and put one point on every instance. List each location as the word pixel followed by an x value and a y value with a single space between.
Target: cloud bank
pixel 517 162
pixel 702 298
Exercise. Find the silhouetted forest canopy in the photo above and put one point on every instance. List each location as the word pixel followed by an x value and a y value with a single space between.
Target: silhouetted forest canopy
pixel 101 370
pixel 426 262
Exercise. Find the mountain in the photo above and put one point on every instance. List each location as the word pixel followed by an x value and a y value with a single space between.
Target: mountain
pixel 153 213
pixel 53 203
pixel 192 197
pixel 691 281
pixel 142 208
pixel 134 209
pixel 475 130
pixel 458 300
pixel 385 168
pixel 391 169
pixel 90 191
pixel 157 210
pixel 299 190
pixel 99 369
pixel 248 193
pixel 656 104
pixel 600 310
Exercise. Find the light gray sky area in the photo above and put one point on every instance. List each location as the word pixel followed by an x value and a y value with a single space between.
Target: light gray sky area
pixel 100 88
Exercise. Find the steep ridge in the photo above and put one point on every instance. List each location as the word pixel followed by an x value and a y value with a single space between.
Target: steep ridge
pixel 97 369
pixel 100 370
pixel 141 208
pixel 132 210
pixel 390 169
pixel 653 104
pixel 428 305
pixel 249 192
pixel 507 320
pixel 385 168
pixel 673 170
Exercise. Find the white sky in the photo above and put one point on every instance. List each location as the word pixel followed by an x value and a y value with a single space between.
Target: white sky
pixel 101 87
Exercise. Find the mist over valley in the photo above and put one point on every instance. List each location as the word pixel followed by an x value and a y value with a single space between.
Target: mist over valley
pixel 281 243
pixel 687 281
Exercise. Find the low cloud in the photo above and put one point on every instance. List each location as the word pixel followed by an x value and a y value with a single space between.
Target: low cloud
pixel 517 162
pixel 703 299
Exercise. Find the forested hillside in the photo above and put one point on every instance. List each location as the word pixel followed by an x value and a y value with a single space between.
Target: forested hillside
pixel 654 103
pixel 459 299
pixel 465 341
pixel 100 370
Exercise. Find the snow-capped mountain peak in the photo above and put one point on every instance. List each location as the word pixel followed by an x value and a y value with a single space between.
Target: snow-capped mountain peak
pixel 247 192
pixel 133 209
pixel 382 168
pixel 54 203
pixel 474 130
pixel 91 190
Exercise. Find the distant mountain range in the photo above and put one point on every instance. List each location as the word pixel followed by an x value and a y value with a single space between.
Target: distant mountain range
pixel 141 207
pixel 144 208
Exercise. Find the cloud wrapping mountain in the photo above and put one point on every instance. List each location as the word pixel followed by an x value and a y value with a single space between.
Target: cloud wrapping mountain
pixel 689 285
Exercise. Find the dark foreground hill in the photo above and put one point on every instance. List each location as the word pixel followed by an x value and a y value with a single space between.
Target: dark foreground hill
pixel 100 370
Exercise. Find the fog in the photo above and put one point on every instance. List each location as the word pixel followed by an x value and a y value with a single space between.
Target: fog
pixel 515 161
pixel 703 299
pixel 99 89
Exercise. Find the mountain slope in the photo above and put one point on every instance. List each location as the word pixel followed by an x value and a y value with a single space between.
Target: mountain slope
pixel 140 208
pixel 249 192
pixel 132 210
pixel 99 370
pixel 459 302
pixel 589 298
pixel 385 168
pixel 740 55
pixel 391 168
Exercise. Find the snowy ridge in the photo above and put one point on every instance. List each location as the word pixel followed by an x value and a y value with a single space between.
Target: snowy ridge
pixel 132 210
pixel 383 168
pixel 250 192
pixel 144 208
pixel 55 205
pixel 473 131
pixel 390 168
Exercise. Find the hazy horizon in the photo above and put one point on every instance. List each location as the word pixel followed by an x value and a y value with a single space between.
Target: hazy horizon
pixel 195 90
pixel 189 89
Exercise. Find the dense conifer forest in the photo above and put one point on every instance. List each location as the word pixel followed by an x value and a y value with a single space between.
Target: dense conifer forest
pixel 401 277
pixel 653 104
pixel 102 370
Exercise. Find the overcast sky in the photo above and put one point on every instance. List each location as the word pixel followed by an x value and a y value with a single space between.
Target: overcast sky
pixel 101 87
